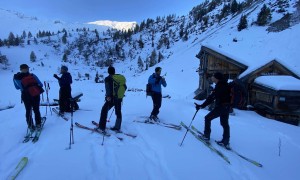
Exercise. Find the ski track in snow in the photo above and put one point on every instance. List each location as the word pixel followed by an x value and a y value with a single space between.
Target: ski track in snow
pixel 156 164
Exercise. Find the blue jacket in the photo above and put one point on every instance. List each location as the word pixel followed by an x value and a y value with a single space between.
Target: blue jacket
pixel 156 81
pixel 18 77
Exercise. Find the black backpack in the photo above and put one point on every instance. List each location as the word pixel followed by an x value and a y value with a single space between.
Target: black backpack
pixel 148 89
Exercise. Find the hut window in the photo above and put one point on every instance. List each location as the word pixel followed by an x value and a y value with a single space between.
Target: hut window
pixel 282 99
pixel 262 96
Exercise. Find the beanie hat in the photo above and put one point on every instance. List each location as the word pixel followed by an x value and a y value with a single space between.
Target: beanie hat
pixel 218 75
pixel 111 70
pixel 24 66
pixel 65 68
pixel 157 69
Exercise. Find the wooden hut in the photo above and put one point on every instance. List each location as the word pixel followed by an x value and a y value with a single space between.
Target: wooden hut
pixel 277 97
pixel 212 61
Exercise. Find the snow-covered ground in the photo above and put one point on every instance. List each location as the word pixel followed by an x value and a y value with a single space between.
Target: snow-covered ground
pixel 155 153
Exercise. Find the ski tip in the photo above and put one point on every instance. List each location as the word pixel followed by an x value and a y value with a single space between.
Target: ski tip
pixel 25 158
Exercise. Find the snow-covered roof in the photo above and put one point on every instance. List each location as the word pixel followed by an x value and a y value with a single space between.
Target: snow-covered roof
pixel 279 82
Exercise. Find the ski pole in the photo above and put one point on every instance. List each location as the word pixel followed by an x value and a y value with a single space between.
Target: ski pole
pixel 108 120
pixel 48 88
pixel 47 97
pixel 71 128
pixel 189 128
pixel 42 97
pixel 103 139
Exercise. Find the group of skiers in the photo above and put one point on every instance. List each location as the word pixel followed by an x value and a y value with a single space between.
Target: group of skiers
pixel 115 87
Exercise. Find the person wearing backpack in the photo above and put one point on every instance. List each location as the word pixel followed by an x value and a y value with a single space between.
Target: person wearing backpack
pixel 65 82
pixel 222 97
pixel 156 81
pixel 31 88
pixel 115 87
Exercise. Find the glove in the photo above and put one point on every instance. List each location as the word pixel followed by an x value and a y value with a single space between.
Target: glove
pixel 55 75
pixel 108 98
pixel 198 106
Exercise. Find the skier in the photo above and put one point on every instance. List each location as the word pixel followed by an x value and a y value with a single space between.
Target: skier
pixel 156 81
pixel 221 95
pixel 31 88
pixel 112 99
pixel 65 82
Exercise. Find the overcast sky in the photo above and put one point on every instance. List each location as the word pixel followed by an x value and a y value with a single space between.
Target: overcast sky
pixel 92 10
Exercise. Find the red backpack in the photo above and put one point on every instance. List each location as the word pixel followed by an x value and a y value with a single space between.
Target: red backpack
pixel 30 85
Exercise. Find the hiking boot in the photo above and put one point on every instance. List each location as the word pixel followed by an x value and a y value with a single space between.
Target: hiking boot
pixel 99 130
pixel 61 113
pixel 205 138
pixel 152 121
pixel 224 144
pixel 115 129
pixel 38 127
pixel 31 128
pixel 154 118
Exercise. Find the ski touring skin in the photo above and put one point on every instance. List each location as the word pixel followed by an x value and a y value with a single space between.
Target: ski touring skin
pixel 238 154
pixel 22 163
pixel 207 144
pixel 61 115
pixel 121 132
pixel 93 130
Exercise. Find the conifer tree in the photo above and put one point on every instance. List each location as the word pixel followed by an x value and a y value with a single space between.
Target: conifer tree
pixel 264 16
pixel 160 57
pixel 141 43
pixel 65 57
pixel 140 63
pixel 23 35
pixel 64 38
pixel 29 35
pixel 153 58
pixel 32 57
pixel 243 23
pixel 234 7
pixel 11 39
pixel 3 59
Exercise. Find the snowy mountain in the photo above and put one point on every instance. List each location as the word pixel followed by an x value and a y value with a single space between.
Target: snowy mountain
pixel 155 152
pixel 115 25
pixel 18 22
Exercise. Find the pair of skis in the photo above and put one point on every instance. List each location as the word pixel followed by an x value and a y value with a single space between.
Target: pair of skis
pixel 105 134
pixel 59 114
pixel 199 135
pixel 36 133
pixel 159 123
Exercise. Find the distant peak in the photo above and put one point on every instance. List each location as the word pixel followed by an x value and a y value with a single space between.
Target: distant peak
pixel 115 24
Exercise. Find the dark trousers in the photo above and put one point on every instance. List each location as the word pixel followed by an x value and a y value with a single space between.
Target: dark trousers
pixel 223 113
pixel 117 103
pixel 64 99
pixel 32 103
pixel 156 98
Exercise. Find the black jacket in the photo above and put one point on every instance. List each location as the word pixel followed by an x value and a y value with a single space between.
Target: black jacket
pixel 221 94
pixel 65 80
